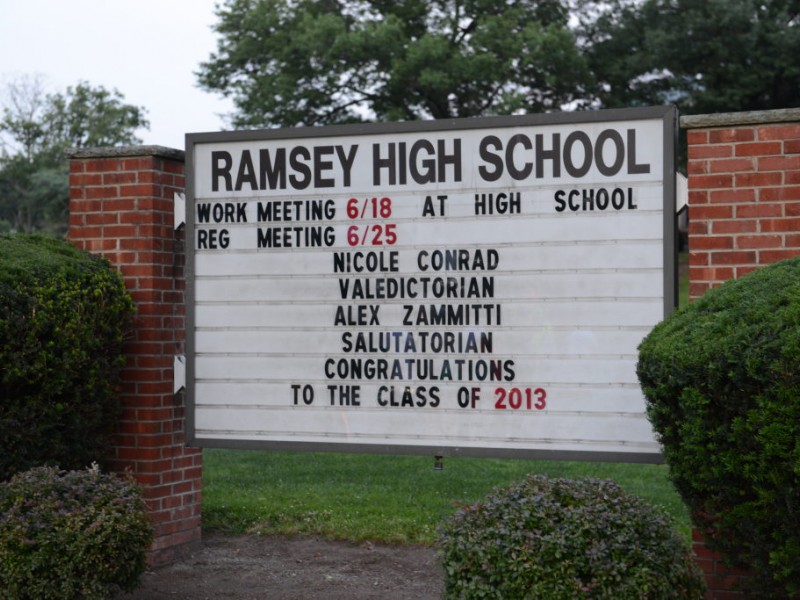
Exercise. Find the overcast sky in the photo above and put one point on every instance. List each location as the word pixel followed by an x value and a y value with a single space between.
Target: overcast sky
pixel 146 49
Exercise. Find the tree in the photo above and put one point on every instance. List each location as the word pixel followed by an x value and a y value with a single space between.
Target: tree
pixel 703 55
pixel 36 129
pixel 309 62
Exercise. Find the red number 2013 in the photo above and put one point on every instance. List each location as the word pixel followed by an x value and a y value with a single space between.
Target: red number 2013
pixel 520 399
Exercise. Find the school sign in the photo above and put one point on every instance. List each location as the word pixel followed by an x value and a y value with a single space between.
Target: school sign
pixel 474 286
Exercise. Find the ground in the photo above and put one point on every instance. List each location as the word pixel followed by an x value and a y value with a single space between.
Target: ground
pixel 294 568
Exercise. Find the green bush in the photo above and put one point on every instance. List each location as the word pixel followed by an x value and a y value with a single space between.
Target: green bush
pixel 63 316
pixel 722 382
pixel 70 534
pixel 566 539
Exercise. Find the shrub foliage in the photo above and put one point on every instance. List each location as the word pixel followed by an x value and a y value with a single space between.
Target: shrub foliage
pixel 63 317
pixel 566 539
pixel 70 535
pixel 722 382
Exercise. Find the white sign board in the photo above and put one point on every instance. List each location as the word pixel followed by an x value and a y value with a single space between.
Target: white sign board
pixel 476 286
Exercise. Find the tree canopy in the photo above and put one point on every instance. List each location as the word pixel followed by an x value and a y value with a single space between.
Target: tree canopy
pixel 35 131
pixel 312 62
pixel 704 56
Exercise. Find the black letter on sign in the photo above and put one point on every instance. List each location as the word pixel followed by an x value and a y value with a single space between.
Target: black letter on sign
pixel 221 170
pixel 272 174
pixel 490 141
pixel 583 139
pixel 619 149
pixel 303 181
pixel 633 167
pixel 246 172
pixel 527 167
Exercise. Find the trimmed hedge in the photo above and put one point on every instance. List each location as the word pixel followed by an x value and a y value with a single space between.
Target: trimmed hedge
pixel 63 318
pixel 71 535
pixel 562 539
pixel 722 382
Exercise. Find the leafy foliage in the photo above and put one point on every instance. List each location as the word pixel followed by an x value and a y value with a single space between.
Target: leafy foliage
pixel 63 318
pixel 308 62
pixel 35 131
pixel 71 535
pixel 705 56
pixel 565 539
pixel 722 381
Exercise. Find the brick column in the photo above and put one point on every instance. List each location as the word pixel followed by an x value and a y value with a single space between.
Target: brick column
pixel 121 207
pixel 744 193
pixel 744 212
pixel 723 582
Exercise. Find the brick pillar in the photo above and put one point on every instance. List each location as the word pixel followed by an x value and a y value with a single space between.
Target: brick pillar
pixel 744 212
pixel 723 582
pixel 744 193
pixel 121 207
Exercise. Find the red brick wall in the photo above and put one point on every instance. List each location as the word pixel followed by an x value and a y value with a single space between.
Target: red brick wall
pixel 121 207
pixel 723 582
pixel 744 193
pixel 744 212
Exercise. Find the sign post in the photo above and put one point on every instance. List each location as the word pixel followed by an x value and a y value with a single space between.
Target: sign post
pixel 474 287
